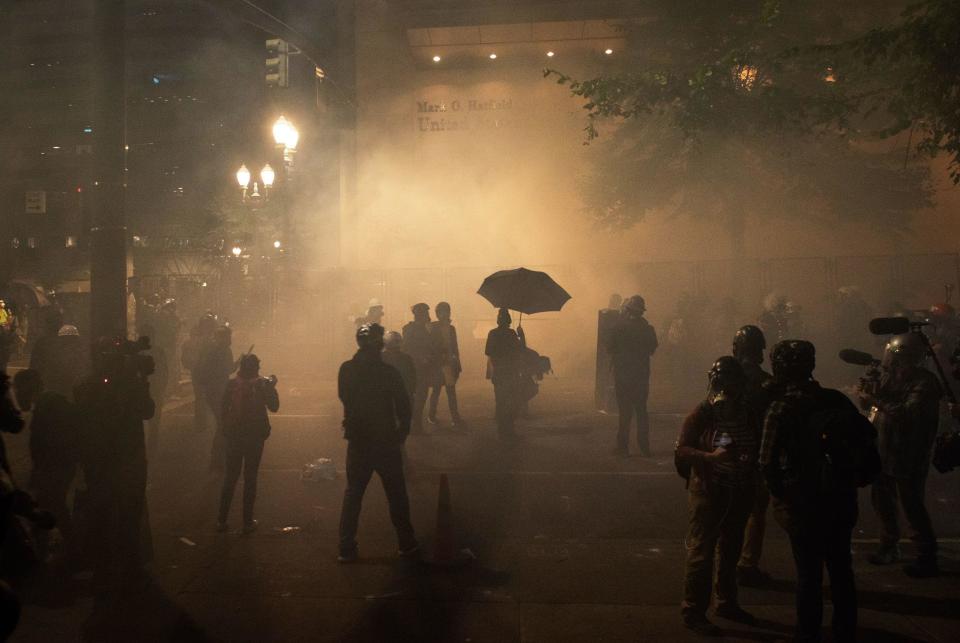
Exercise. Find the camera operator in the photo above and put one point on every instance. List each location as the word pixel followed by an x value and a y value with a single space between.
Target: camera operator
pixel 907 404
pixel 245 428
pixel 112 404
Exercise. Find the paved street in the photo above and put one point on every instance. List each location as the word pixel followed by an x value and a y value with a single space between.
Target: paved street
pixel 571 544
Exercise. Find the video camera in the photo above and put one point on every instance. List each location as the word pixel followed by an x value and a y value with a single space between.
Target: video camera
pixel 125 358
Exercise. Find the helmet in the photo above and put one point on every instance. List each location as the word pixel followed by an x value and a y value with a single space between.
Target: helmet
pixel 68 330
pixel 374 303
pixel 420 309
pixel 749 339
pixel 908 349
pixel 793 359
pixel 393 339
pixel 635 305
pixel 726 373
pixel 249 363
pixel 370 335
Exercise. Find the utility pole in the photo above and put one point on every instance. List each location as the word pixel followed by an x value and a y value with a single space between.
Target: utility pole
pixel 108 234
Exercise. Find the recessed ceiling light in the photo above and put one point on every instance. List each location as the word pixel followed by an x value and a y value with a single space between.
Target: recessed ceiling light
pixel 436 59
pixel 608 51
pixel 550 54
pixel 493 56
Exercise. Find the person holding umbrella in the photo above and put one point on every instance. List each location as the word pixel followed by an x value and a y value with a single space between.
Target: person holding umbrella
pixel 529 292
pixel 505 352
pixel 632 343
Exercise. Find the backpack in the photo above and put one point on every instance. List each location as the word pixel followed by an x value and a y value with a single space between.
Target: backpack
pixel 832 446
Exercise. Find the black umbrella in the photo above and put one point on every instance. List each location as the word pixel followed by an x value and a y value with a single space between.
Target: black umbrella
pixel 526 291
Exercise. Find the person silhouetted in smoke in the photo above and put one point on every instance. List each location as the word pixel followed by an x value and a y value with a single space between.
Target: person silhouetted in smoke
pixel 748 346
pixel 159 381
pixel 717 452
pixel 505 351
pixel 445 334
pixel 423 347
pixel 817 449
pixel 191 358
pixel 216 365
pixel 54 451
pixel 376 422
pixel 246 427
pixel 907 418
pixel 632 343
pixel 604 394
pixel 112 405
pixel 46 356
pixel 394 355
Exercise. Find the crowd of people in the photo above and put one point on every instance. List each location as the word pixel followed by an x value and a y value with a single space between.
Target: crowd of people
pixel 782 436
pixel 757 439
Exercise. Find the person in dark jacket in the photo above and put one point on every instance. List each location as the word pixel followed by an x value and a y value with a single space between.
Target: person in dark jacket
pixel 748 346
pixel 423 347
pixel 394 355
pixel 632 343
pixel 246 427
pixel 505 350
pixel 908 408
pixel 376 422
pixel 445 334
pixel 813 454
pixel 718 445
pixel 54 450
pixel 112 405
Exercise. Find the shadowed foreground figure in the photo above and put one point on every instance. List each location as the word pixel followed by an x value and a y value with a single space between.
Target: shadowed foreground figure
pixel 245 428
pixel 748 346
pixel 816 450
pixel 908 409
pixel 717 453
pixel 632 343
pixel 112 405
pixel 376 422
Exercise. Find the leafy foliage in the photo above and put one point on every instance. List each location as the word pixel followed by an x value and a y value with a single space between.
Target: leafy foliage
pixel 731 109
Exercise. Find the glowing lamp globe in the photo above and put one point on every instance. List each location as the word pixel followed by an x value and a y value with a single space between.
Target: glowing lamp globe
pixel 267 175
pixel 243 176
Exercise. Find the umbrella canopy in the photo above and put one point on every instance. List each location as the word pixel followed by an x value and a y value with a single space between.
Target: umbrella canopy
pixel 526 291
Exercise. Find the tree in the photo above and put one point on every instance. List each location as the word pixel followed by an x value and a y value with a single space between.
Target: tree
pixel 717 115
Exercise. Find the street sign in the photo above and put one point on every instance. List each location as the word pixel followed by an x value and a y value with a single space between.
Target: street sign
pixel 36 202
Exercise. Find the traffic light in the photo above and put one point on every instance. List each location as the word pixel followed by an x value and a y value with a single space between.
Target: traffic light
pixel 278 63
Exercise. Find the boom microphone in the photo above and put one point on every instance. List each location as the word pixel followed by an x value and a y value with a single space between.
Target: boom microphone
pixel 858 358
pixel 889 325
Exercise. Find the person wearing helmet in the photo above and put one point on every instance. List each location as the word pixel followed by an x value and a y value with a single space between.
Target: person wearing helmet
pixel 908 404
pixel 749 344
pixel 246 427
pixel 423 347
pixel 376 422
pixel 632 343
pixel 604 397
pixel 717 453
pixel 505 352
pixel 817 449
pixel 394 355
pixel 445 334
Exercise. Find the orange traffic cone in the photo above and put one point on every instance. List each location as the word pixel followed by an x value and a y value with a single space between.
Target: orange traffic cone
pixel 444 548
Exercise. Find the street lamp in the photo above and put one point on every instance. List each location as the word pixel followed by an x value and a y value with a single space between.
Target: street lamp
pixel 285 134
pixel 243 179
pixel 267 175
